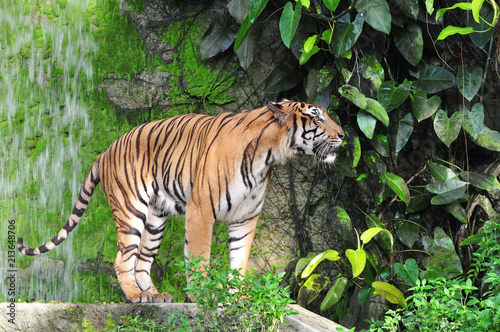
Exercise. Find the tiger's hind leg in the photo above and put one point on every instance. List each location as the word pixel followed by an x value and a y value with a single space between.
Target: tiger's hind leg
pixel 150 244
pixel 129 232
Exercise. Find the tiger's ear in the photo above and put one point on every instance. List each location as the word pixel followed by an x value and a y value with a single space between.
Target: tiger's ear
pixel 278 111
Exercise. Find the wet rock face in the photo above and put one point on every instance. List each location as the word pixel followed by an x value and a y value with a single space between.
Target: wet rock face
pixel 145 91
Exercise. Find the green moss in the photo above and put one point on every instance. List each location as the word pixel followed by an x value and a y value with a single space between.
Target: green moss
pixel 120 49
pixel 202 82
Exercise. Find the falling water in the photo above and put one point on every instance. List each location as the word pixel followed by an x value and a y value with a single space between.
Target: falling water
pixel 45 72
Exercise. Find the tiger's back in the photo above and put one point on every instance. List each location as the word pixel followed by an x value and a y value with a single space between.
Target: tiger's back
pixel 210 168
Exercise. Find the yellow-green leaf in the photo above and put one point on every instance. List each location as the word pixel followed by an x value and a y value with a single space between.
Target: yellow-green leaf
pixel 461 5
pixel 331 255
pixel 371 232
pixel 451 30
pixel 476 7
pixel 391 293
pixel 357 258
pixel 309 43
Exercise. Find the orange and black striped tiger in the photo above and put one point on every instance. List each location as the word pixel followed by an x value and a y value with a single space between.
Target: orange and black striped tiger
pixel 210 168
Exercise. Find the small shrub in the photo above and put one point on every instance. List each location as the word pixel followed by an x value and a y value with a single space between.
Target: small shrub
pixel 459 304
pixel 229 301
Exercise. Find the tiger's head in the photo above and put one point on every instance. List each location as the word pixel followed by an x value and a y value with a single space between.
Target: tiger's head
pixel 308 129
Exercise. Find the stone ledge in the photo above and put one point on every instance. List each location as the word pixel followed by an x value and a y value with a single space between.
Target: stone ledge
pixel 48 317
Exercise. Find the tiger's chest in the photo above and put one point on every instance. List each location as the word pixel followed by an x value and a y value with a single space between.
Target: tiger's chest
pixel 244 201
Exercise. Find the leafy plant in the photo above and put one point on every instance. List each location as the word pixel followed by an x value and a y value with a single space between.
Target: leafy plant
pixel 357 258
pixel 455 304
pixel 229 301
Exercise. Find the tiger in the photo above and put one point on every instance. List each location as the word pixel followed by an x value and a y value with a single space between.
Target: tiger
pixel 210 168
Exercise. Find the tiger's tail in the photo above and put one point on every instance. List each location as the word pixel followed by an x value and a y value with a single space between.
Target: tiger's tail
pixel 86 191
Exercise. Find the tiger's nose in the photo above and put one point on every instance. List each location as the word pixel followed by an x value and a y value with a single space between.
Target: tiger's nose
pixel 341 135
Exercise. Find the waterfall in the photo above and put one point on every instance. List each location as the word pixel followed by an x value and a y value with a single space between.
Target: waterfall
pixel 45 73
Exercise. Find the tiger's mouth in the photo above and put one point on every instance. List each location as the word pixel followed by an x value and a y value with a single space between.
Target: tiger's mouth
pixel 325 151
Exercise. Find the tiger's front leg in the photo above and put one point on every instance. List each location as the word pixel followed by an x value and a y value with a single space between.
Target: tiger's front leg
pixel 241 234
pixel 199 229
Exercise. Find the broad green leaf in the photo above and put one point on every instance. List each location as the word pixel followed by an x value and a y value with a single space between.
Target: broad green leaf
pixel 473 239
pixel 311 288
pixel 457 211
pixel 371 70
pixel 381 144
pixel 461 5
pixel 481 180
pixel 302 264
pixel 447 129
pixel 239 9
pixel 357 258
pixel 331 4
pixel 318 81
pixel 441 239
pixel 377 14
pixel 408 272
pixel 364 294
pixel 334 294
pixel 217 39
pixel 289 22
pixel 305 56
pixel 374 181
pixel 340 216
pixel 476 7
pixel 418 203
pixel 440 172
pixel 372 221
pixel 305 3
pixel 284 77
pixel 331 255
pixel 346 34
pixel 352 146
pixel 400 131
pixel 384 239
pixel 248 47
pixel 256 7
pixel 409 7
pixel 391 97
pixel 451 30
pixel 429 6
pixel 432 79
pixel 447 191
pixel 371 232
pixel 398 185
pixel 444 260
pixel 469 83
pixel 407 231
pixel 474 120
pixel 326 36
pixel 366 123
pixel 354 95
pixel 310 42
pixel 320 205
pixel 488 139
pixel 378 111
pixel 482 31
pixel 424 107
pixel 242 33
pixel 409 42
pixel 445 186
pixel 391 293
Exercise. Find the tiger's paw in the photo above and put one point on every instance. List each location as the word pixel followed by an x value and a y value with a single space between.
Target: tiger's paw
pixel 163 298
pixel 142 297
